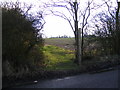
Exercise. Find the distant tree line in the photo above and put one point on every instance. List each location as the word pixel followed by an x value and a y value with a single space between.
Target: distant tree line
pixel 64 36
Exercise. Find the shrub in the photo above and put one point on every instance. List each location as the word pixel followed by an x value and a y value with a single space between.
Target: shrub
pixel 22 47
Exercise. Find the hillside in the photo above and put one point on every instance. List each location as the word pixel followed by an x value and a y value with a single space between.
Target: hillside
pixel 66 43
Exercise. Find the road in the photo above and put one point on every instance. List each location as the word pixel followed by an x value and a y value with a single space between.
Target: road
pixel 107 79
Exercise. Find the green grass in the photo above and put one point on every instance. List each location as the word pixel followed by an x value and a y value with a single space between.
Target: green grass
pixel 57 58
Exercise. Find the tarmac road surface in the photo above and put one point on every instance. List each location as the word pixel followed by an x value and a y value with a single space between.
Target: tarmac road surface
pixel 107 79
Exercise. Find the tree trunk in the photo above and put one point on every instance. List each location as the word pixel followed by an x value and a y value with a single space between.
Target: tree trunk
pixel 117 30
pixel 77 38
pixel 82 42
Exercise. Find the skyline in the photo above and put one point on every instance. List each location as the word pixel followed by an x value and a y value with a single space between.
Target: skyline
pixel 51 29
pixel 54 26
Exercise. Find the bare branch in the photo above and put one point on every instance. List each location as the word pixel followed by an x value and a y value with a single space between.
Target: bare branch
pixel 109 10
pixel 64 17
pixel 85 18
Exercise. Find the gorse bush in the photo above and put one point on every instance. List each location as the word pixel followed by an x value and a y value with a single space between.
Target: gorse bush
pixel 21 45
pixel 36 56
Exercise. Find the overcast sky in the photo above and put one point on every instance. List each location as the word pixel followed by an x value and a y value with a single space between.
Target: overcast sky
pixel 54 26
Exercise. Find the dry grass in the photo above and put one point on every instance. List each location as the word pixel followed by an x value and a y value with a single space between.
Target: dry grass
pixel 66 43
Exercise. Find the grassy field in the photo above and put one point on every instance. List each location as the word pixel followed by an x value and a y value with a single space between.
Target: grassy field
pixel 59 55
pixel 57 58
pixel 66 43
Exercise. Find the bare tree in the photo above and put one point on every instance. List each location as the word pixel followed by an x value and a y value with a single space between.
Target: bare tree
pixel 108 25
pixel 75 15
pixel 117 29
